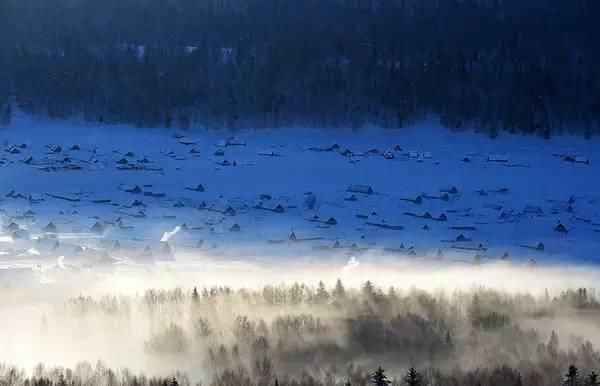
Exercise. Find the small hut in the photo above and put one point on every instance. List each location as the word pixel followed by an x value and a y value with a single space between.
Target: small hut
pixel 462 237
pixel 12 226
pixel 196 188
pixel 97 227
pixel 235 228
pixel 50 228
pixel 497 158
pixel 134 189
pixel 331 221
pixel 560 228
pixel 350 197
pixel 364 189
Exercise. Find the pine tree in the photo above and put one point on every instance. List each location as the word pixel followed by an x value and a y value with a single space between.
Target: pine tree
pixel 519 381
pixel 571 377
pixel 339 292
pixel 475 311
pixel 368 290
pixel 322 294
pixel 195 295
pixel 412 378
pixel 592 379
pixel 5 113
pixel 448 342
pixel 378 378
pixel 61 381
pixel 553 345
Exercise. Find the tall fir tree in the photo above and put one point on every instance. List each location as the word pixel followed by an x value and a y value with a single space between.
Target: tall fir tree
pixel 412 378
pixel 378 378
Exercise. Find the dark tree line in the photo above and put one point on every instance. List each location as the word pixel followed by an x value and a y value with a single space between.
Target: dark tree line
pixel 527 65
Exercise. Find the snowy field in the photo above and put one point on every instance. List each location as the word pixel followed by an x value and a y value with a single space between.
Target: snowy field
pixel 78 197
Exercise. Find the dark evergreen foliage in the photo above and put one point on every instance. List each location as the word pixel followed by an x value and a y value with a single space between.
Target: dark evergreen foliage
pixel 529 66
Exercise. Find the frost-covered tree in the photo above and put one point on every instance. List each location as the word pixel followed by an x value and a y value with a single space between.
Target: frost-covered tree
pixel 378 378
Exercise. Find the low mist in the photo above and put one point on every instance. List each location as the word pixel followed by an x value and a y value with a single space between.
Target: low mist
pixel 201 316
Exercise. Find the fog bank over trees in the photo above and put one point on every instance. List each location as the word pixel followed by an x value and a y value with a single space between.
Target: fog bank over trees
pixel 305 334
pixel 528 66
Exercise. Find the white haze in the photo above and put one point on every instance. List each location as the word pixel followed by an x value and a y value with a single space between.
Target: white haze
pixel 31 332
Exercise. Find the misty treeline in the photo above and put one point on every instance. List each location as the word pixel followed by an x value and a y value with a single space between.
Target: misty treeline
pixel 529 65
pixel 303 335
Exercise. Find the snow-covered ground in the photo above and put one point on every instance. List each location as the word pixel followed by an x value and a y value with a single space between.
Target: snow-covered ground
pixel 505 207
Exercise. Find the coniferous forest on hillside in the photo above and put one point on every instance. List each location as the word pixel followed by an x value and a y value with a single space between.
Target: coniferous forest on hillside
pixel 523 66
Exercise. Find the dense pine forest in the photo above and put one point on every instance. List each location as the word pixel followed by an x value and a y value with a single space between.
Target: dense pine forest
pixel 523 66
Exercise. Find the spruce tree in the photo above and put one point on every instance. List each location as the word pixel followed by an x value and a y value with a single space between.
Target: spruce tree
pixel 339 292
pixel 61 381
pixel 5 113
pixel 412 378
pixel 572 377
pixel 592 379
pixel 378 378
pixel 195 295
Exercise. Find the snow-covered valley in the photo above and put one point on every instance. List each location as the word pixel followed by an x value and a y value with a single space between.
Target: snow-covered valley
pixel 103 198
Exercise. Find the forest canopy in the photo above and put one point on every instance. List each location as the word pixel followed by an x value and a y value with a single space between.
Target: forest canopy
pixel 529 65
pixel 300 334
